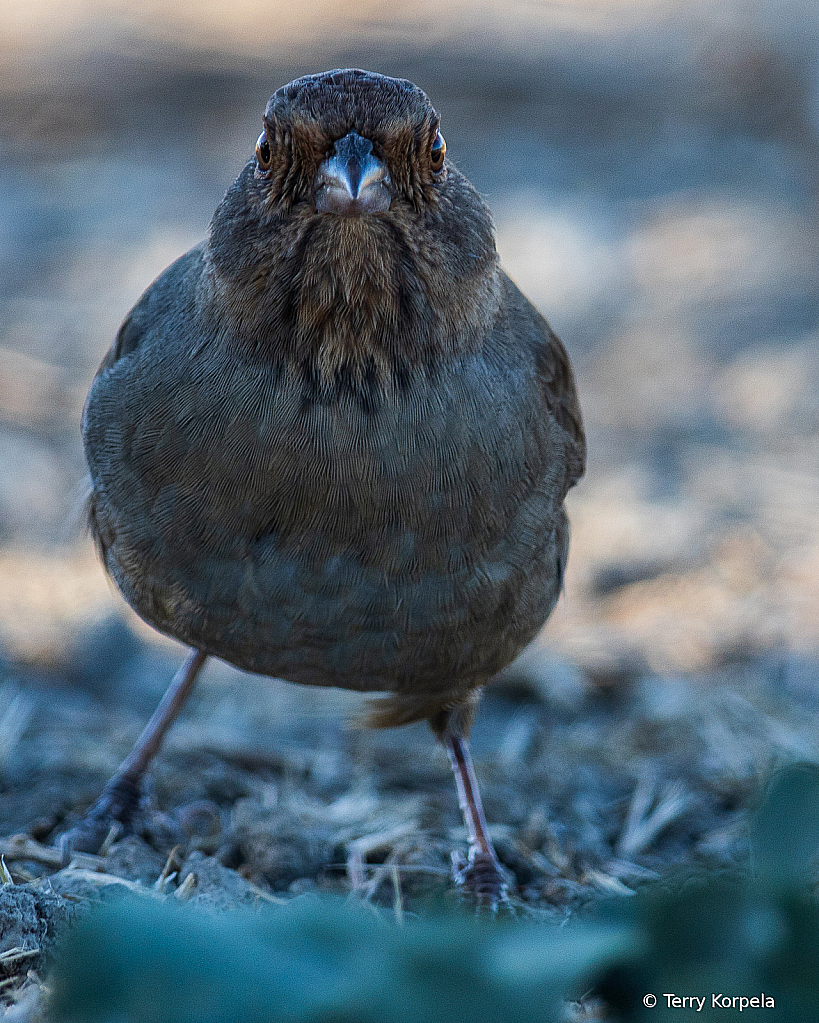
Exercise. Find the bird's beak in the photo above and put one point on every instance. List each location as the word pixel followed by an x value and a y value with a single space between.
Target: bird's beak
pixel 352 180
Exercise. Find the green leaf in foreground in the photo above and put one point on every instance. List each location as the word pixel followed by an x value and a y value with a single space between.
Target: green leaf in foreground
pixel 740 935
pixel 317 961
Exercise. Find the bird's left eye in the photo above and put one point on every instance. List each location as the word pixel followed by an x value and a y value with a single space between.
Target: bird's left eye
pixel 438 152
pixel 263 154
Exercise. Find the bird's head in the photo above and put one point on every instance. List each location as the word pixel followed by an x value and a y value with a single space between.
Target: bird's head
pixel 350 234
pixel 350 143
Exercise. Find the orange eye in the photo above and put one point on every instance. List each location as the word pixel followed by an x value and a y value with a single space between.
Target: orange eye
pixel 438 152
pixel 263 155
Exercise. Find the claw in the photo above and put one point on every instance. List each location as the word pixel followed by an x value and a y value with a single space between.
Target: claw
pixel 481 878
pixel 101 825
pixel 119 800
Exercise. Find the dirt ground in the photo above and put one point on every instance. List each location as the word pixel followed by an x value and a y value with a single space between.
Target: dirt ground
pixel 656 195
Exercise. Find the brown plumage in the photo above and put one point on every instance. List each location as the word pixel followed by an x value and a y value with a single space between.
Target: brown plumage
pixel 332 442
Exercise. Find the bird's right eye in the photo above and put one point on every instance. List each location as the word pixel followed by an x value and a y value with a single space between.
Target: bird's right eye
pixel 438 152
pixel 264 157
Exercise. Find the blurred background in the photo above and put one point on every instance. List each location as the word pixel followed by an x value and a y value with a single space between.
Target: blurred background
pixel 653 170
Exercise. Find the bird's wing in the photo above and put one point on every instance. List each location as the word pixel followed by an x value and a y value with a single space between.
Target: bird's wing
pixel 163 306
pixel 555 375
pixel 559 389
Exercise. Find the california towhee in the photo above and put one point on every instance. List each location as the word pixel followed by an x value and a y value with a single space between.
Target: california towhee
pixel 331 443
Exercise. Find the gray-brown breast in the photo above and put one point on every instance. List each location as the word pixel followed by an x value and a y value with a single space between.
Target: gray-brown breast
pixel 413 546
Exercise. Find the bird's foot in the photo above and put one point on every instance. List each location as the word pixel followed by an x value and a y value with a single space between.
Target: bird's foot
pixel 481 879
pixel 104 821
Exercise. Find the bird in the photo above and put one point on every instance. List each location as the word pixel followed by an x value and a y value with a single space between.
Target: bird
pixel 331 443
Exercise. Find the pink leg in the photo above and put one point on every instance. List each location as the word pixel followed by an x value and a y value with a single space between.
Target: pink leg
pixel 120 797
pixel 483 874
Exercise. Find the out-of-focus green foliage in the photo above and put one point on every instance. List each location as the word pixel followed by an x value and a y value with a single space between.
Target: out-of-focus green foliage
pixel 317 960
pixel 323 961
pixel 733 937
